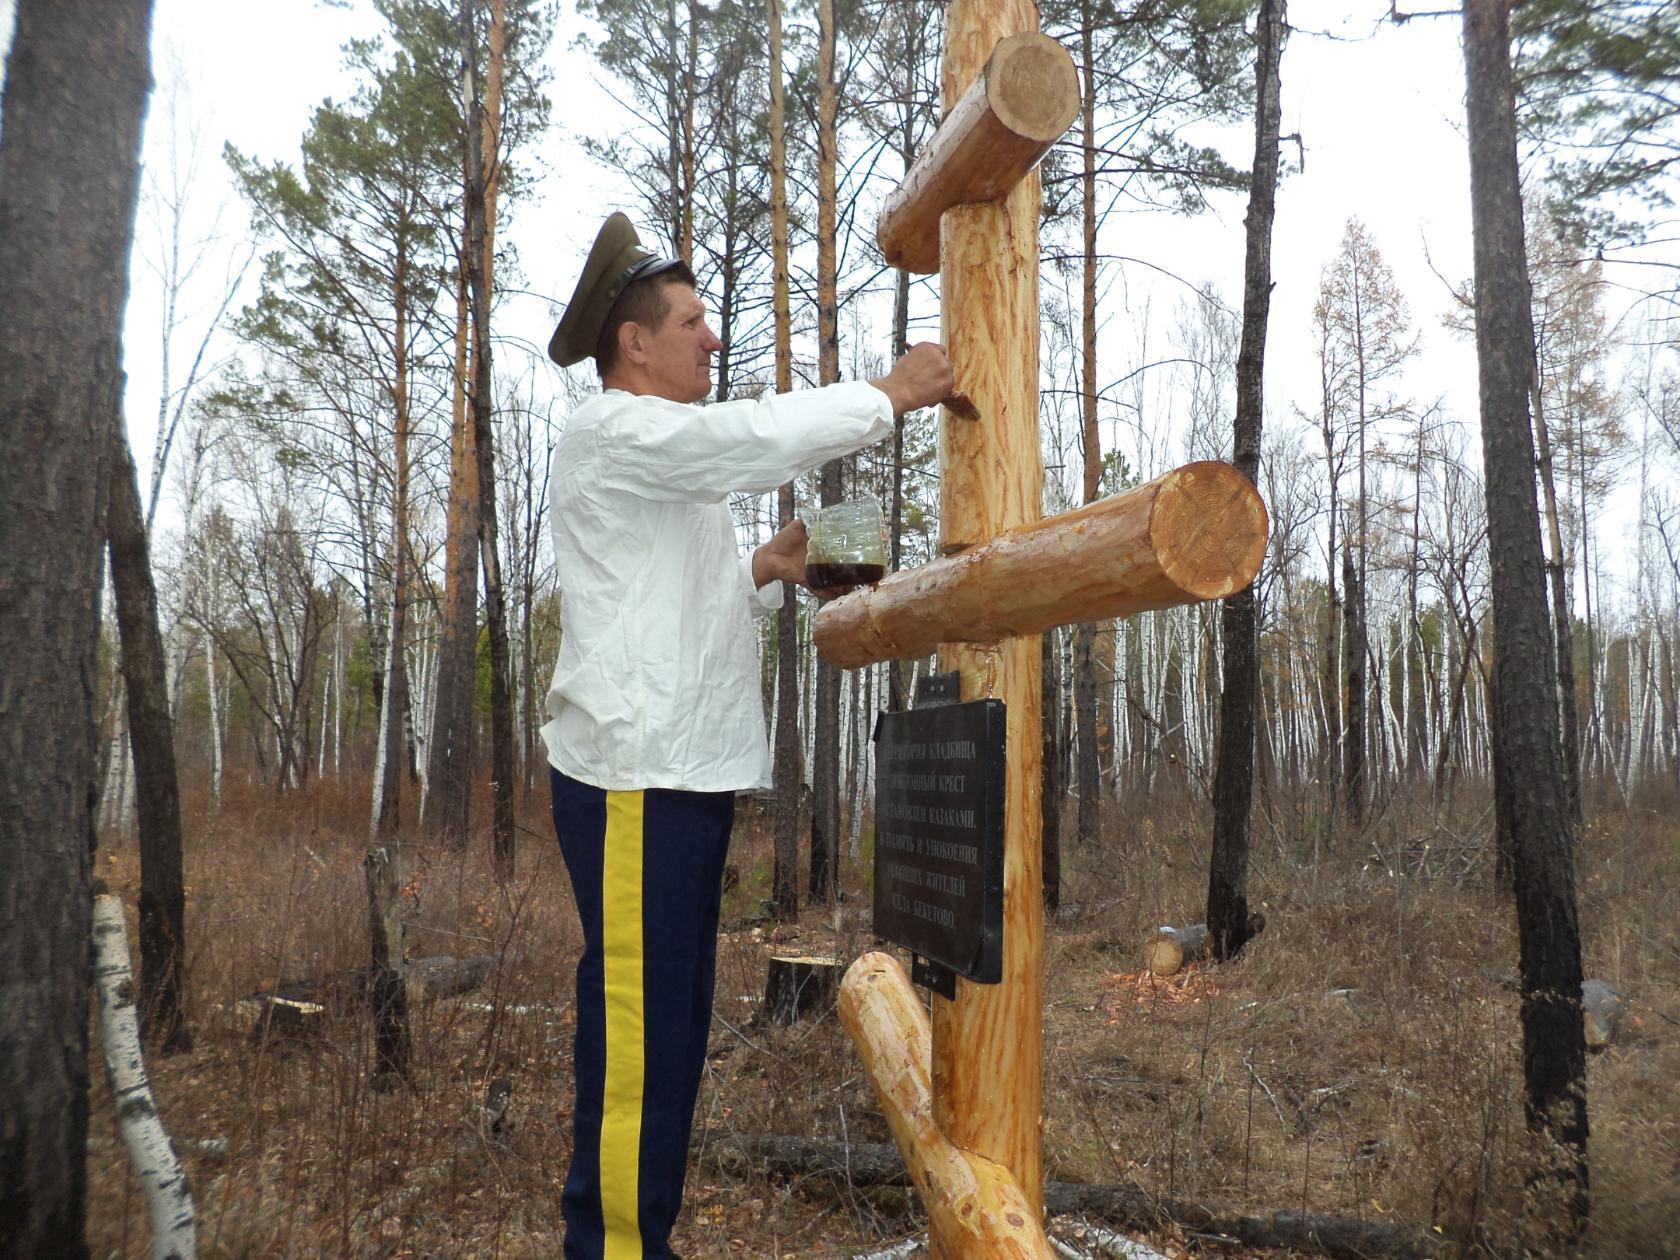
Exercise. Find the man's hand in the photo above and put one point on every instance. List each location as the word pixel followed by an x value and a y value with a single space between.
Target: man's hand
pixel 920 379
pixel 782 559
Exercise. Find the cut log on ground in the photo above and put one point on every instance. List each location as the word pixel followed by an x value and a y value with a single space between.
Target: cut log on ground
pixel 799 986
pixel 974 1206
pixel 297 1008
pixel 1196 533
pixel 1601 1011
pixel 163 1181
pixel 1023 101
pixel 878 1164
pixel 1169 948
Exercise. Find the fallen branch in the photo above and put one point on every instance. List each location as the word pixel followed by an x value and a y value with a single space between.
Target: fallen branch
pixel 878 1164
pixel 168 1197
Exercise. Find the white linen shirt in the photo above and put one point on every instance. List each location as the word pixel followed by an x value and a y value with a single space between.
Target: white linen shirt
pixel 657 685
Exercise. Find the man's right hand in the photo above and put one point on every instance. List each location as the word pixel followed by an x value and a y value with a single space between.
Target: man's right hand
pixel 920 379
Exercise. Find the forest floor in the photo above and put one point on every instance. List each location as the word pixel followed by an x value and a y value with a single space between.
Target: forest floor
pixel 1362 1060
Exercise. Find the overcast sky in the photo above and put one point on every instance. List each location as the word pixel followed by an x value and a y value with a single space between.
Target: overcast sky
pixel 1379 110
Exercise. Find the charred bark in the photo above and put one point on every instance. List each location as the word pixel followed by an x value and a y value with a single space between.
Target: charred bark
pixel 152 738
pixel 76 84
pixel 1233 772
pixel 1529 793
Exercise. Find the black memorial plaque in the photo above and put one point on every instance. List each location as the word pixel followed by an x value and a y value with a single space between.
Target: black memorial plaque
pixel 939 776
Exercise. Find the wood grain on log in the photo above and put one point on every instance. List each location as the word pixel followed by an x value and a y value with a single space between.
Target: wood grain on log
pixel 988 1044
pixel 974 1206
pixel 1168 948
pixel 1019 105
pixel 1196 533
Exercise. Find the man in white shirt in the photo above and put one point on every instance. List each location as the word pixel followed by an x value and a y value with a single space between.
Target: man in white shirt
pixel 655 720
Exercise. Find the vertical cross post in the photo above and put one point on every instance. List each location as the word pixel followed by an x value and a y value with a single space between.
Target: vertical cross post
pixel 964 1099
pixel 987 1044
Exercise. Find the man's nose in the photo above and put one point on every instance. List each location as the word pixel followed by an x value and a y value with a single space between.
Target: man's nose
pixel 712 343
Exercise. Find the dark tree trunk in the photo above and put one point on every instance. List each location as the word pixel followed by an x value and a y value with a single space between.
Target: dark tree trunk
pixel 825 770
pixel 152 738
pixel 1565 639
pixel 495 601
pixel 449 793
pixel 1529 789
pixel 1087 768
pixel 895 532
pixel 1050 799
pixel 789 772
pixel 76 85
pixel 1233 771
pixel 1355 653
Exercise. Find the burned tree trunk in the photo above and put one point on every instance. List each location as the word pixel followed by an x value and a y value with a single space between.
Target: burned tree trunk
pixel 789 774
pixel 76 85
pixel 1529 786
pixel 1233 772
pixel 483 120
pixel 152 737
pixel 825 768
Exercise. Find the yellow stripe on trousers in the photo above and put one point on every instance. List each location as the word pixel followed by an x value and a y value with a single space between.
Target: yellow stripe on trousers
pixel 621 1103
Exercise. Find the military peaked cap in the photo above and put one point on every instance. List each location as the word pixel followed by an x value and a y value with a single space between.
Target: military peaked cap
pixel 615 261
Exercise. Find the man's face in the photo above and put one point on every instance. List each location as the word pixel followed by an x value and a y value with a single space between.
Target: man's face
pixel 680 350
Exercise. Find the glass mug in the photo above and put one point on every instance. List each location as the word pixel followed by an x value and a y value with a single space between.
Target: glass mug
pixel 846 545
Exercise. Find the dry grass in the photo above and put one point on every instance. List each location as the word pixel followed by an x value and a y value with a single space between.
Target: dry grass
pixel 1361 1059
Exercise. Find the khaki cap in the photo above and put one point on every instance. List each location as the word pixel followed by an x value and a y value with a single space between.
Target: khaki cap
pixel 615 260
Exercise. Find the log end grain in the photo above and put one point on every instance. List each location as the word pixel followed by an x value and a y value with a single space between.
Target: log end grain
pixel 1032 86
pixel 1208 524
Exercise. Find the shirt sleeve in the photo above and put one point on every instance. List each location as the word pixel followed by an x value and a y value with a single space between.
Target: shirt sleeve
pixel 673 452
pixel 761 600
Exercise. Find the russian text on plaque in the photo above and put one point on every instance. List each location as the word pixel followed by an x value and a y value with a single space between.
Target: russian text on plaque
pixel 939 777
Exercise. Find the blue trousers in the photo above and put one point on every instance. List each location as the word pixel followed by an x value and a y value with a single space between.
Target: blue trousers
pixel 647 871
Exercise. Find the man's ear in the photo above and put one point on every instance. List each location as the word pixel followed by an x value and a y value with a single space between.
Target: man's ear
pixel 632 343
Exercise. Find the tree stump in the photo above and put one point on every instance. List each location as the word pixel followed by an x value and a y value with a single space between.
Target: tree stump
pixel 797 986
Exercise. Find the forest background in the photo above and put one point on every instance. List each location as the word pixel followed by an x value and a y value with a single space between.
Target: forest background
pixel 302 273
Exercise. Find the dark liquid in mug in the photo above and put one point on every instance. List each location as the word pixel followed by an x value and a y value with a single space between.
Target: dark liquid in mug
pixel 822 576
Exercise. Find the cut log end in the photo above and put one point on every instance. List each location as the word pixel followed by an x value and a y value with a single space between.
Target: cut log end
pixel 1032 86
pixel 1209 525
pixel 1167 949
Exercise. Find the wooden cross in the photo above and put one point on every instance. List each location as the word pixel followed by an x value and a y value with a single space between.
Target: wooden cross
pixel 965 1103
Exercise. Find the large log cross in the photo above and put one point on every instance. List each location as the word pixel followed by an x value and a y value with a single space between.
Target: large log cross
pixel 966 1109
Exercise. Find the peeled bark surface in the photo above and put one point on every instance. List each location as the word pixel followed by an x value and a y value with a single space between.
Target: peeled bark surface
pixel 988 1044
pixel 975 1207
pixel 76 84
pixel 1019 105
pixel 152 736
pixel 1529 795
pixel 1233 771
pixel 1196 533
